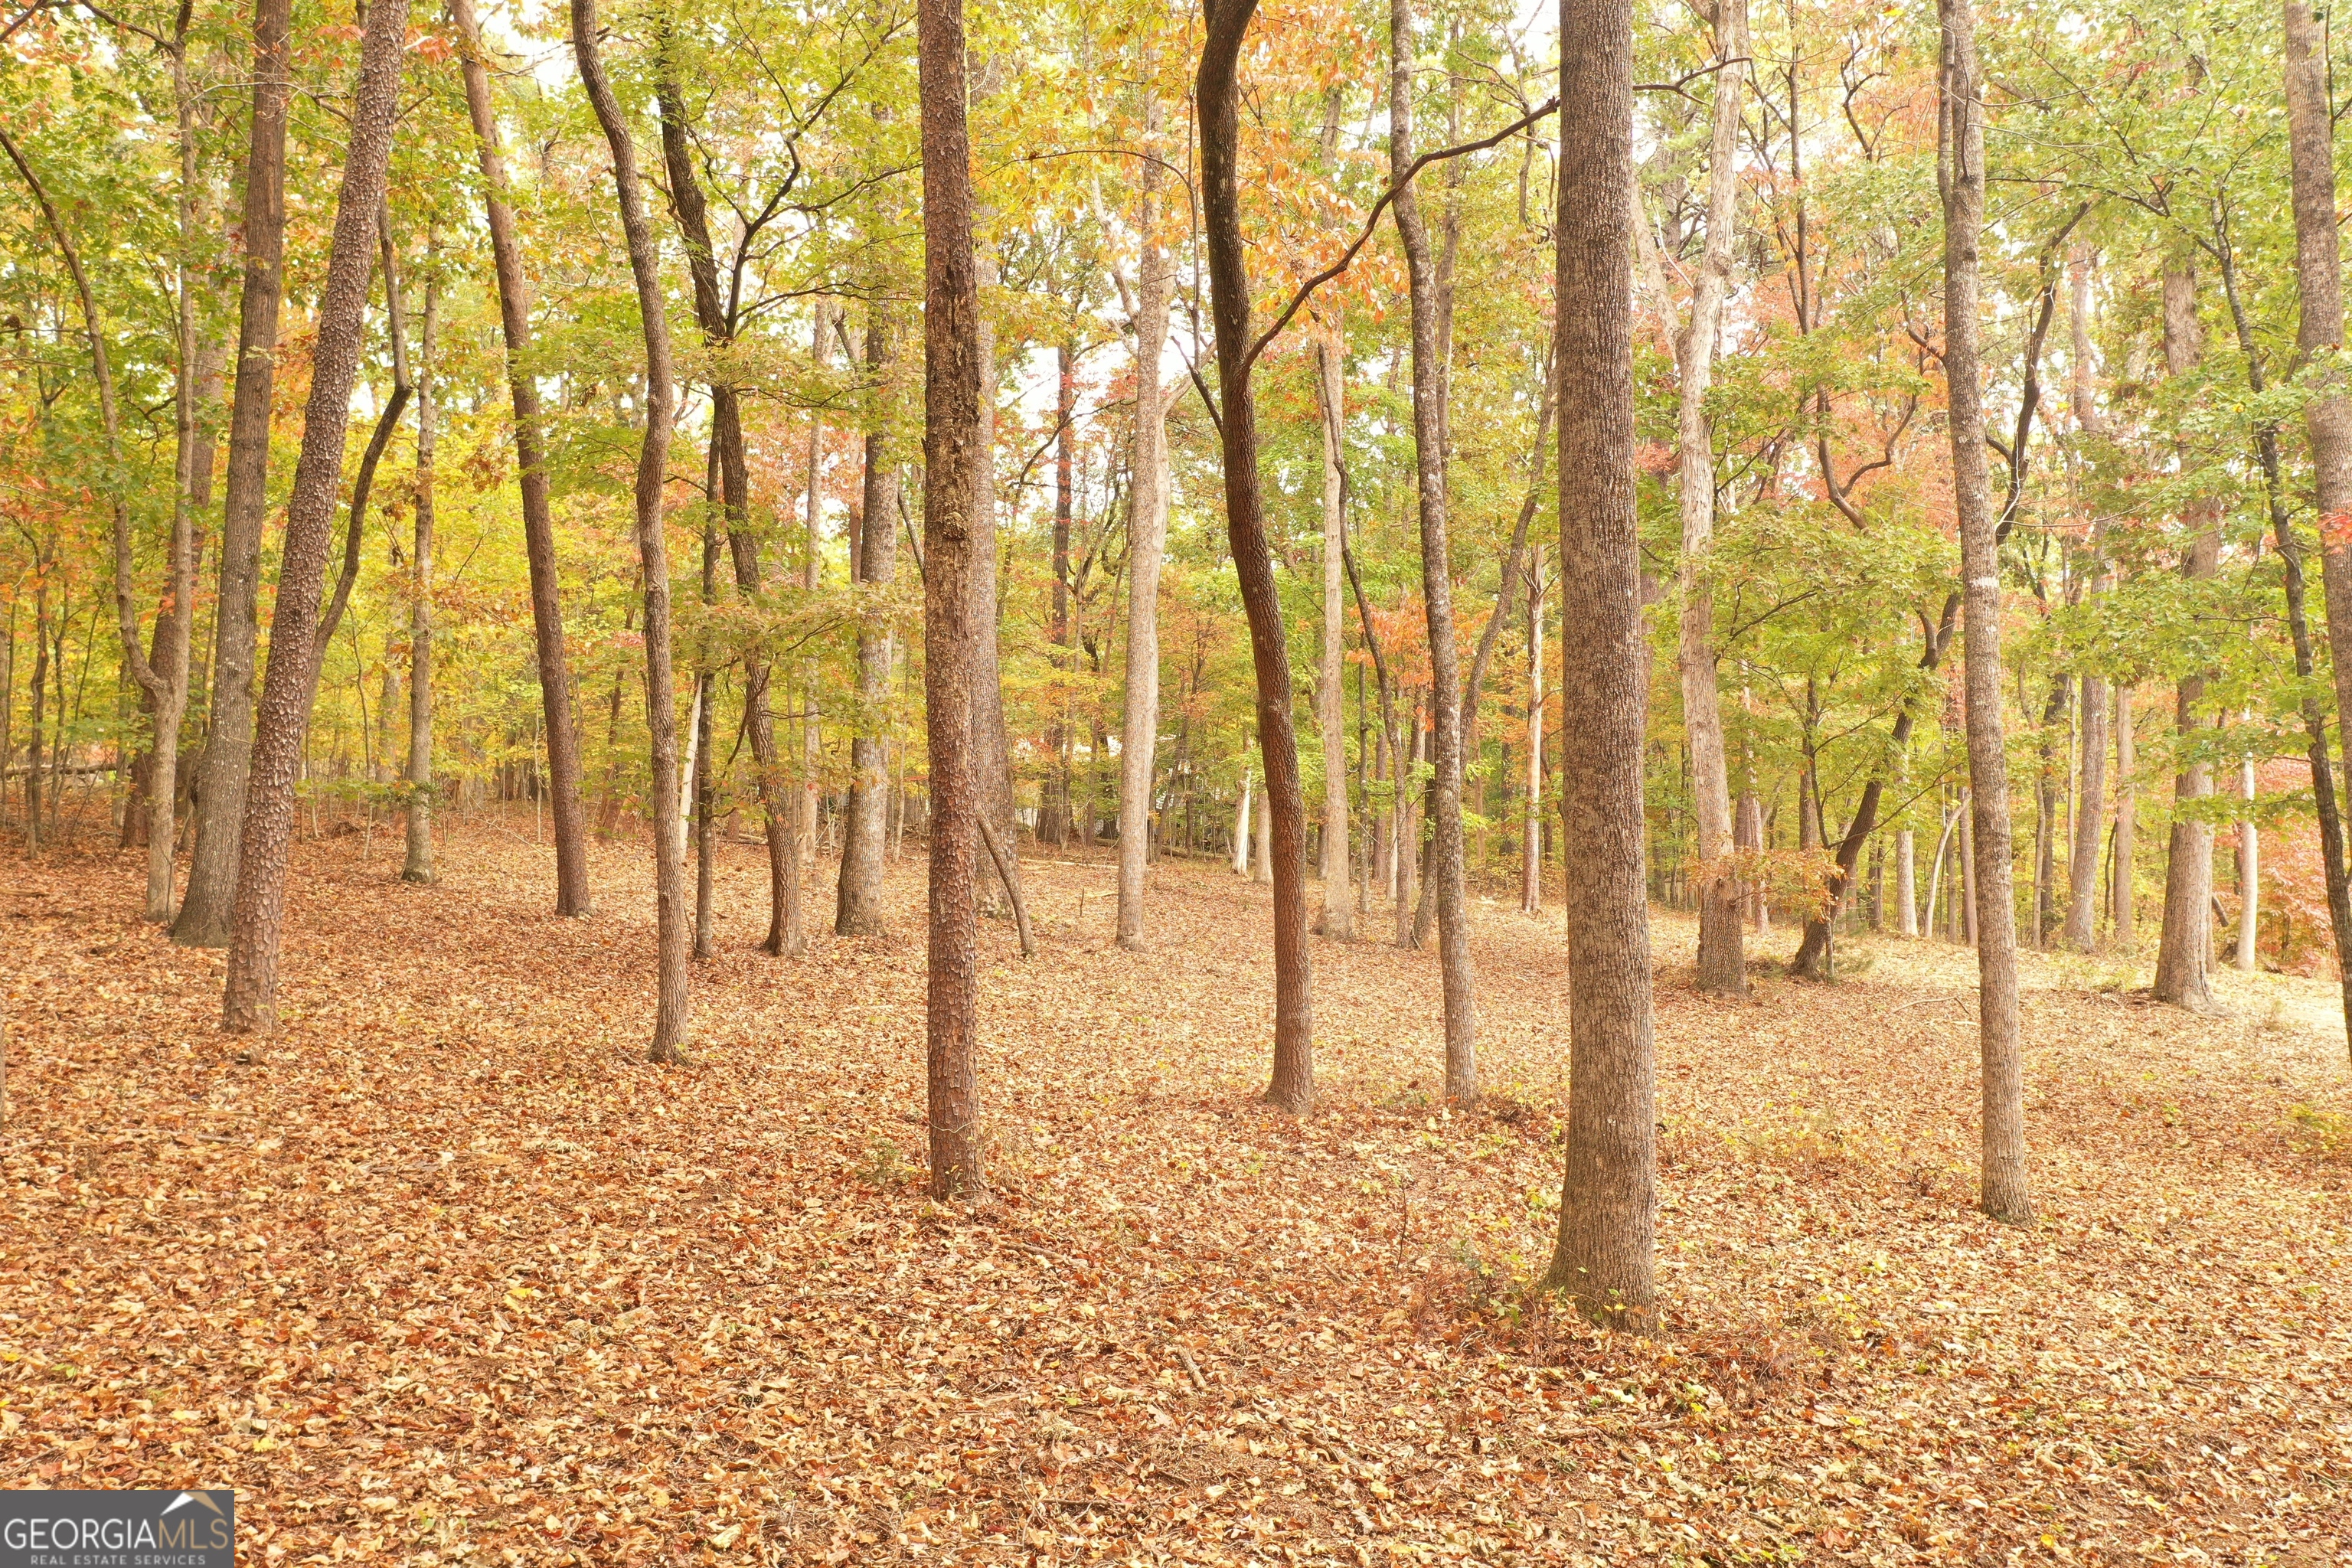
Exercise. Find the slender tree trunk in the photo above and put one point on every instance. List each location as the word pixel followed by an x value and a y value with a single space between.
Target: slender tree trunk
pixel 2003 1193
pixel 952 394
pixel 2184 953
pixel 1531 881
pixel 992 757
pixel 1447 872
pixel 1241 827
pixel 2122 917
pixel 857 909
pixel 418 866
pixel 2048 829
pixel 1147 541
pixel 804 825
pixel 250 1000
pixel 1338 897
pixel 2328 416
pixel 1722 964
pixel 1907 882
pixel 1218 108
pixel 562 739
pixel 1408 844
pixel 1609 1196
pixel 2250 871
pixel 221 771
pixel 2090 814
pixel 653 550
pixel 706 791
pixel 715 313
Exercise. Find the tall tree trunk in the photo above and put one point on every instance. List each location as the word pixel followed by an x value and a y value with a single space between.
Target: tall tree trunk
pixel 290 682
pixel 653 548
pixel 705 783
pixel 2328 416
pixel 951 394
pixel 1607 1212
pixel 1532 850
pixel 2122 918
pixel 806 798
pixel 2090 814
pixel 715 314
pixel 1339 895
pixel 2184 951
pixel 2249 870
pixel 857 909
pixel 1218 108
pixel 1242 826
pixel 1148 539
pixel 562 736
pixel 221 771
pixel 1446 872
pixel 2002 1192
pixel 1907 882
pixel 418 865
pixel 1722 964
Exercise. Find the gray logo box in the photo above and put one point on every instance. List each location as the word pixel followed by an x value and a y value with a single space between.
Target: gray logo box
pixel 118 1530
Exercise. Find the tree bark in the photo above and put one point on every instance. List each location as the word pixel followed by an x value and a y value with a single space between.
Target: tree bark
pixel 1722 964
pixel 1907 882
pixel 715 314
pixel 1217 97
pixel 1532 850
pixel 250 1000
pixel 672 926
pixel 417 866
pixel 2184 953
pixel 1609 1195
pixel 1242 826
pixel 2081 933
pixel 857 909
pixel 1446 872
pixel 2328 416
pixel 2002 1192
pixel 1338 922
pixel 203 916
pixel 951 394
pixel 1147 543
pixel 2122 918
pixel 562 738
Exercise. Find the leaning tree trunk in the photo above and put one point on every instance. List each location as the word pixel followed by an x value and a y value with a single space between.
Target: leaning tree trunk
pixel 2184 953
pixel 716 315
pixel 1218 100
pixel 223 769
pixel 951 394
pixel 673 917
pixel 290 682
pixel 1722 964
pixel 1339 895
pixel 1608 1213
pixel 865 825
pixel 563 735
pixel 1961 170
pixel 2328 416
pixel 1148 530
pixel 418 865
pixel 1446 872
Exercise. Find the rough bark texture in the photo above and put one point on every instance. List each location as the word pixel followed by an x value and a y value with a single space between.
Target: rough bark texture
pixel 417 864
pixel 673 919
pixel 1446 872
pixel 203 916
pixel 950 428
pixel 1608 1216
pixel 2328 416
pixel 562 738
pixel 1217 96
pixel 249 1003
pixel 1338 894
pixel 1148 539
pixel 1722 963
pixel 866 823
pixel 2002 1190
pixel 2184 953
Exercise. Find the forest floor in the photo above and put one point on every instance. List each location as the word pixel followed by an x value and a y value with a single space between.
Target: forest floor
pixel 450 1275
